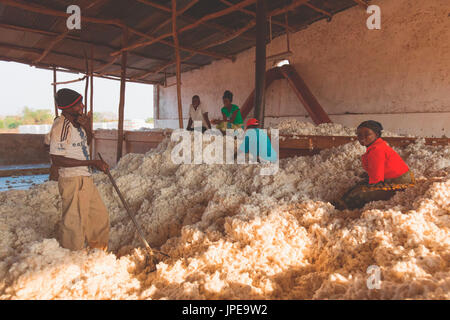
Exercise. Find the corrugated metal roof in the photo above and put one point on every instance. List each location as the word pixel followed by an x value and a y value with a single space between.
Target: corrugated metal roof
pixel 25 34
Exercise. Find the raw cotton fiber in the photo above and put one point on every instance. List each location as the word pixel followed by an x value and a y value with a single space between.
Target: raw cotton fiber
pixel 297 128
pixel 234 234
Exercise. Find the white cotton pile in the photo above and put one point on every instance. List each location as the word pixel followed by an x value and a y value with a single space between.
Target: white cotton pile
pixel 298 128
pixel 234 234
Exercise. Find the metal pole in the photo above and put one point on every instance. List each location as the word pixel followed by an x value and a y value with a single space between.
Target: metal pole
pixel 260 67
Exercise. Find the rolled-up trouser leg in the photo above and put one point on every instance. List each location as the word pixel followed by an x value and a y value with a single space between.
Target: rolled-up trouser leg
pixel 74 203
pixel 97 220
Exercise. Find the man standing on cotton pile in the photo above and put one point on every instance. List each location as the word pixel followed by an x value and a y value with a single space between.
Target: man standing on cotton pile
pixel 84 215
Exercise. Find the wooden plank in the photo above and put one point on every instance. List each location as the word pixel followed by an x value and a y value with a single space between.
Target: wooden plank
pixel 177 54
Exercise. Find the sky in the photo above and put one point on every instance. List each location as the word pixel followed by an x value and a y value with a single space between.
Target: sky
pixel 25 86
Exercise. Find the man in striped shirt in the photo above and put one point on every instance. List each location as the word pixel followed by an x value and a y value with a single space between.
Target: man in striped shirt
pixel 84 215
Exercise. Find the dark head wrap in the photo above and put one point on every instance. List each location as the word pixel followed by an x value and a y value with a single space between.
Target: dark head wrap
pixel 375 126
pixel 67 98
pixel 228 95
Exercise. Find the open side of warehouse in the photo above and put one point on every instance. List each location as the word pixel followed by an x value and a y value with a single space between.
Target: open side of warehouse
pixel 398 75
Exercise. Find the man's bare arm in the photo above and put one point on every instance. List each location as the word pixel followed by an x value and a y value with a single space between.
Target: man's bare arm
pixel 61 161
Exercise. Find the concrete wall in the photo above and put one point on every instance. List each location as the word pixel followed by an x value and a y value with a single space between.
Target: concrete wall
pixel 22 149
pixel 402 69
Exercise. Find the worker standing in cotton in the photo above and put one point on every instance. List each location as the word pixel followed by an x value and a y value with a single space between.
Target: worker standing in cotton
pixel 386 172
pixel 84 215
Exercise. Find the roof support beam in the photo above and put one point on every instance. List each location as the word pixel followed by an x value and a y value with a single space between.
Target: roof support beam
pixel 187 7
pixel 155 5
pixel 114 22
pixel 326 13
pixel 61 37
pixel 40 51
pixel 50 47
pixel 206 18
pixel 363 3
pixel 253 14
pixel 78 39
pixel 72 70
pixel 290 7
pixel 228 38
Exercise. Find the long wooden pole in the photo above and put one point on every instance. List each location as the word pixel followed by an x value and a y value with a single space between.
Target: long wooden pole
pixel 54 91
pixel 260 65
pixel 177 53
pixel 157 102
pixel 86 88
pixel 120 135
pixel 91 103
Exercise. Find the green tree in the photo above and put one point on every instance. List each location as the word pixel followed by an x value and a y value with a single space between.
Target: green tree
pixel 40 116
pixel 12 122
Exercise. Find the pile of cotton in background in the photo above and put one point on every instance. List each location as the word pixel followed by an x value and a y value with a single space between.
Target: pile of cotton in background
pixel 232 233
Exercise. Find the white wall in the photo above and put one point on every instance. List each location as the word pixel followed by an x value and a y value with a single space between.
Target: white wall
pixel 403 69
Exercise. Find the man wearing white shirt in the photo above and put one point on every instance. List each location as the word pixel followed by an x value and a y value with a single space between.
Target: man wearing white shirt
pixel 198 113
pixel 84 215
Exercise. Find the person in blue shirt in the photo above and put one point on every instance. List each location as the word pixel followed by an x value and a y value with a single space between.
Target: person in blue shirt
pixel 257 143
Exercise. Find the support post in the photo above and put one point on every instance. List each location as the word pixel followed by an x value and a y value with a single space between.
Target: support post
pixel 157 101
pixel 260 65
pixel 177 53
pixel 86 88
pixel 54 91
pixel 120 135
pixel 91 104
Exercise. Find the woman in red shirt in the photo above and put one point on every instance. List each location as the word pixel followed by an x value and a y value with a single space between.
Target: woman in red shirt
pixel 386 172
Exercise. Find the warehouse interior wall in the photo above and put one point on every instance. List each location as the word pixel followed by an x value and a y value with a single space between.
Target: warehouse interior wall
pixel 399 74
